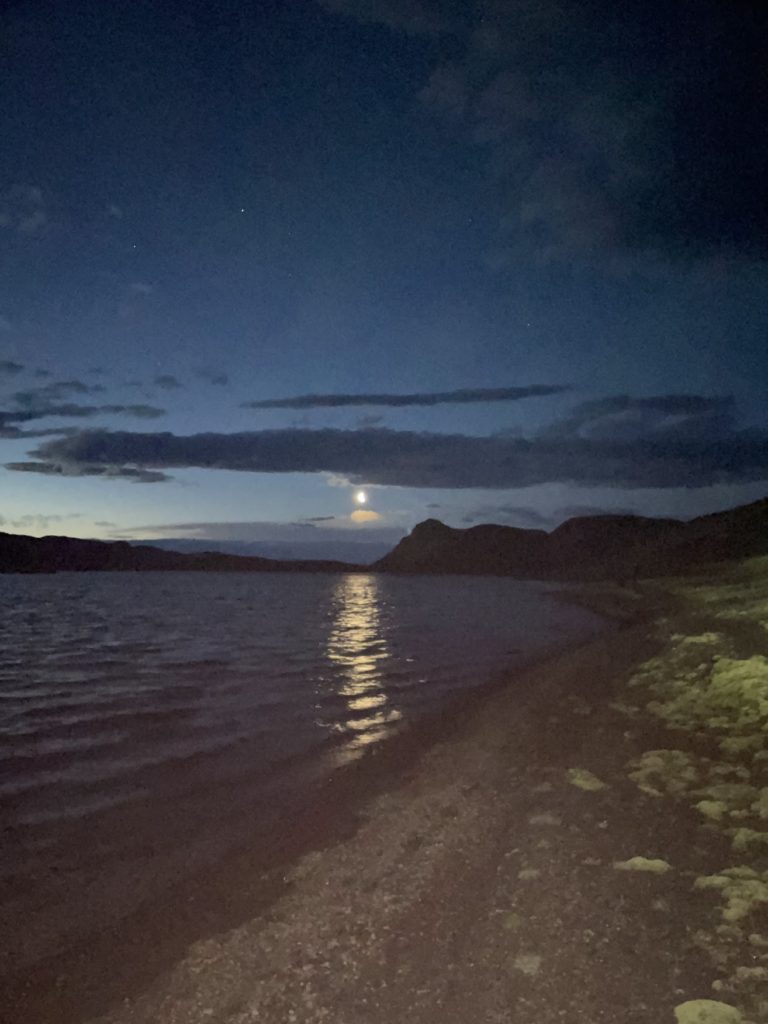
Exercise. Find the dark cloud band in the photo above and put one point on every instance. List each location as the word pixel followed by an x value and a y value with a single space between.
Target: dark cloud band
pixel 410 459
pixel 461 396
pixel 143 476
pixel 70 410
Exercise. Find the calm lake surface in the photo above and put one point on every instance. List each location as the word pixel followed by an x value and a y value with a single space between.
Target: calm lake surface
pixel 150 721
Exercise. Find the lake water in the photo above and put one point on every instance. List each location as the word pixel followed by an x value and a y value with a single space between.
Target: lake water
pixel 150 721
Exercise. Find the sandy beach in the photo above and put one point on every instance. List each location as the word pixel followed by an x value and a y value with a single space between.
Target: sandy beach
pixel 582 845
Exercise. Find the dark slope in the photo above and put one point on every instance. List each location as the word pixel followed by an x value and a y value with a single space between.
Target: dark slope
pixel 19 553
pixel 433 547
pixel 588 547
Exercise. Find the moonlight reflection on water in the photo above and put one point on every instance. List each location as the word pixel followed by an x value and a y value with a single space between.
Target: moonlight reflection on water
pixel 356 646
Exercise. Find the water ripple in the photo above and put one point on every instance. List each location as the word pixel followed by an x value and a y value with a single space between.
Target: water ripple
pixel 185 697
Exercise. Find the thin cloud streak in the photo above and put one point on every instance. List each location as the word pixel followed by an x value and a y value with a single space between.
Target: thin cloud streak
pixel 167 382
pixel 56 391
pixel 461 396
pixel 144 476
pixel 70 410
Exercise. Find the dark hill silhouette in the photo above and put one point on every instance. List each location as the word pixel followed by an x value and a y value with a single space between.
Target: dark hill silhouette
pixel 434 547
pixel 584 548
pixel 19 553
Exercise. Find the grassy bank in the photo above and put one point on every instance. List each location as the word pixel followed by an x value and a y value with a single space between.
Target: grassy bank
pixel 589 846
pixel 708 685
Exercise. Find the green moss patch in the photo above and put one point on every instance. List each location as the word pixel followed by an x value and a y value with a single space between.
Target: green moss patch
pixel 659 772
pixel 707 1011
pixel 584 779
pixel 651 865
pixel 742 890
pixel 700 686
pixel 746 838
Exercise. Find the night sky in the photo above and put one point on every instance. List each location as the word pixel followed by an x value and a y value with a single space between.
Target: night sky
pixel 488 261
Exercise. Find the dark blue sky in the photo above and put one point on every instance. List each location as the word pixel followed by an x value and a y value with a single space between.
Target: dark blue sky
pixel 207 205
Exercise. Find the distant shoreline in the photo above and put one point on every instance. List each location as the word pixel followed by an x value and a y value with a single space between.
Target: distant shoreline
pixel 20 554
pixel 622 548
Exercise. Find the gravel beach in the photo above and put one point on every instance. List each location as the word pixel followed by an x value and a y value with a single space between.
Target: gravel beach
pixel 541 861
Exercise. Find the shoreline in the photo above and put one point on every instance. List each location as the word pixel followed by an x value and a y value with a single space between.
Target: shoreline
pixel 476 876
pixel 73 986
pixel 333 911
pixel 523 869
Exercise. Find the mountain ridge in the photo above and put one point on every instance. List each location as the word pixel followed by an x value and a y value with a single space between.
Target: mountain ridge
pixel 585 547
pixel 582 548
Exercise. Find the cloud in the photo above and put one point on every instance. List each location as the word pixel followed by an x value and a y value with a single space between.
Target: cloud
pixel 214 377
pixel 460 396
pixel 56 391
pixel 167 382
pixel 365 515
pixel 144 476
pixel 657 458
pixel 10 433
pixel 39 522
pixel 9 368
pixel 140 411
pixel 141 288
pixel 624 417
pixel 531 518
pixel 22 210
pixel 243 530
pixel 5 323
pixel 71 410
pixel 577 511
pixel 519 515
pixel 250 531
pixel 318 519
pixel 606 134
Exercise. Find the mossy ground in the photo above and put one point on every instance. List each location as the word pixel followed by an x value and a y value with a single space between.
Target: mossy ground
pixel 708 684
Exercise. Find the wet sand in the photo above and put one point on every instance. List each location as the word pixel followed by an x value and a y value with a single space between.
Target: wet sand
pixel 476 883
